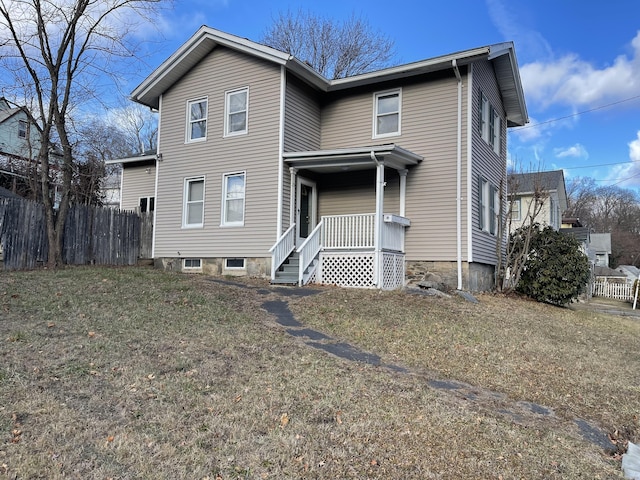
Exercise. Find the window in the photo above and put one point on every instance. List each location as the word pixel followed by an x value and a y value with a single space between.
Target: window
pixel 23 128
pixel 193 214
pixel 516 206
pixel 236 109
pixel 488 206
pixel 233 199
pixel 386 120
pixel 192 263
pixel 147 204
pixel 234 264
pixel 553 216
pixel 489 124
pixel 197 120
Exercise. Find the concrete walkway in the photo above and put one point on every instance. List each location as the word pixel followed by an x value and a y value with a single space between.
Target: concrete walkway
pixel 521 412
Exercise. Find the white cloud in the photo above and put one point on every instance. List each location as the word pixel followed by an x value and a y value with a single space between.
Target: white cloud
pixel 572 81
pixel 575 151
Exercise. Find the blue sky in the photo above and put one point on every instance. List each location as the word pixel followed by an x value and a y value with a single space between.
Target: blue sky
pixel 579 61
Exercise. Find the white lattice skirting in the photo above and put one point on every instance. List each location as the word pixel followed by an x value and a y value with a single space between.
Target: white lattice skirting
pixel 351 269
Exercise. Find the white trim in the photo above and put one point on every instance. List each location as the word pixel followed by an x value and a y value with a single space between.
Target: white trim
pixel 187 133
pixel 227 98
pixel 314 205
pixel 223 214
pixel 185 196
pixel 470 172
pixel 376 96
pixel 148 198
pixel 279 211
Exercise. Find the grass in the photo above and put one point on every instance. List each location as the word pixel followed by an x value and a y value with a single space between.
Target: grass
pixel 137 373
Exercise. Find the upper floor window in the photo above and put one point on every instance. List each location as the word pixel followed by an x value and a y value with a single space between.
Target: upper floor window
pixel 193 208
pixel 387 106
pixel 197 120
pixel 23 129
pixel 233 199
pixel 489 125
pixel 236 110
pixel 488 206
pixel 516 207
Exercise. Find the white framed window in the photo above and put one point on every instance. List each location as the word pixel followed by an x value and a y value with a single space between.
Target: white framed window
pixel 193 210
pixel 488 206
pixel 234 264
pixel 236 107
pixel 197 120
pixel 386 116
pixel 233 194
pixel 489 123
pixel 146 204
pixel 516 208
pixel 23 129
pixel 192 263
pixel 495 129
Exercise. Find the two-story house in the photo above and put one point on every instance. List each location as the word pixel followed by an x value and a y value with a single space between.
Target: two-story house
pixel 539 194
pixel 264 167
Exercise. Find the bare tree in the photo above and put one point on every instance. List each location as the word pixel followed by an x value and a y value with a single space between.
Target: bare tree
pixel 64 49
pixel 514 240
pixel 335 49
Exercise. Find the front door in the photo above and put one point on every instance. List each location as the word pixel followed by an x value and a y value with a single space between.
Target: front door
pixel 306 211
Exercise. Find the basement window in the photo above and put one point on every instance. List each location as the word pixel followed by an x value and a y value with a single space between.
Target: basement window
pixel 234 264
pixel 192 263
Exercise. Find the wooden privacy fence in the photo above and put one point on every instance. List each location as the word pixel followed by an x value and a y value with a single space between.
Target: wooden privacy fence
pixel 618 291
pixel 92 235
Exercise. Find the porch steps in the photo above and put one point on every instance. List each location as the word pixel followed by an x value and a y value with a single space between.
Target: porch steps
pixel 288 271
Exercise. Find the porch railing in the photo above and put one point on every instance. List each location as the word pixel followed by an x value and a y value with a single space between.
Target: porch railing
pixel 307 252
pixel 282 249
pixel 348 232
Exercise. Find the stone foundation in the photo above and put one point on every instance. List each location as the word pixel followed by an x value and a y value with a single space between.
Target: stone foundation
pixel 476 277
pixel 254 267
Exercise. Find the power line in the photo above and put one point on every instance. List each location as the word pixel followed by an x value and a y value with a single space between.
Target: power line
pixel 599 165
pixel 576 114
pixel 620 180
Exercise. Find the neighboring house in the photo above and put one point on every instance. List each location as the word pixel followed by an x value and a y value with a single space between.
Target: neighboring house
pixel 548 187
pixel 606 274
pixel 366 181
pixel 601 247
pixel 632 273
pixel 20 140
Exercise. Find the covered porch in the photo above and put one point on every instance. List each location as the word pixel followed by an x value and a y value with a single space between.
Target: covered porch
pixel 348 249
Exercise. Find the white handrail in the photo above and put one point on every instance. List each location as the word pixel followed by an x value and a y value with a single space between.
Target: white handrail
pixel 282 249
pixel 307 252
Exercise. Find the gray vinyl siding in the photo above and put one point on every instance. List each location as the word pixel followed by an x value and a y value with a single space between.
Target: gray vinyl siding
pixel 429 128
pixel 302 117
pixel 137 183
pixel 486 163
pixel 350 194
pixel 301 130
pixel 256 153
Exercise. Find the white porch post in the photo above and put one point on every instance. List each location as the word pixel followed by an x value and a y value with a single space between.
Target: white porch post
pixel 292 196
pixel 403 190
pixel 377 238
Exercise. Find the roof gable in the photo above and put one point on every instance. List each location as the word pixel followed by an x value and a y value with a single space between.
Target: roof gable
pixel 206 39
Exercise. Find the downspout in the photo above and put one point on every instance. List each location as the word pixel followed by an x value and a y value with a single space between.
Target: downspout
pixel 377 232
pixel 283 81
pixel 454 65
pixel 155 192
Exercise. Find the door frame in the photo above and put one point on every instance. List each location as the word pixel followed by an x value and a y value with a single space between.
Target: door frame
pixel 300 181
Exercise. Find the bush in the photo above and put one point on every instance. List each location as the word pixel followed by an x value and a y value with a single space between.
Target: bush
pixel 556 271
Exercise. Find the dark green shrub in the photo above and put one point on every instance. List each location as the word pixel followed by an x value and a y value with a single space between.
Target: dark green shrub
pixel 556 271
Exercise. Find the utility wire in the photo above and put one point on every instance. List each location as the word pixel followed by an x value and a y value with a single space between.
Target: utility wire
pixel 599 165
pixel 576 114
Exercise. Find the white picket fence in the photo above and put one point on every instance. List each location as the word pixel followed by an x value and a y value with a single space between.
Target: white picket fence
pixel 618 291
